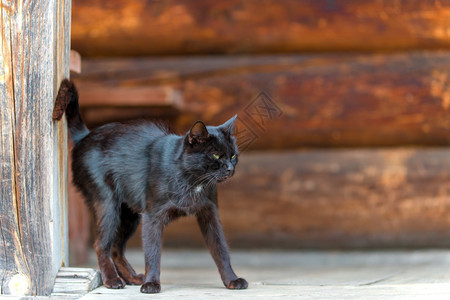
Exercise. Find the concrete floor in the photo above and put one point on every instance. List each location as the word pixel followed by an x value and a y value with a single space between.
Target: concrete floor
pixel 423 274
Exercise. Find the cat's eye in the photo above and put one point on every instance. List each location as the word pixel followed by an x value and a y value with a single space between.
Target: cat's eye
pixel 216 156
pixel 233 156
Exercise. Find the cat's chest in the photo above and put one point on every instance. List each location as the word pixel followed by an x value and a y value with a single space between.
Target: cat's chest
pixel 198 189
pixel 191 201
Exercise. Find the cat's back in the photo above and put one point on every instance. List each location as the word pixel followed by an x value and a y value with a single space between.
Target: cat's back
pixel 117 146
pixel 117 136
pixel 115 157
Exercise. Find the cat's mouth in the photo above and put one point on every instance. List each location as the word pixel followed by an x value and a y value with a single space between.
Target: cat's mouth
pixel 222 178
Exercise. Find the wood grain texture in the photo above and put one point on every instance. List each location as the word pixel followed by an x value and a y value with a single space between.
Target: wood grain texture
pixel 74 283
pixel 407 274
pixel 330 199
pixel 35 54
pixel 391 198
pixel 320 100
pixel 12 259
pixel 135 27
pixel 75 61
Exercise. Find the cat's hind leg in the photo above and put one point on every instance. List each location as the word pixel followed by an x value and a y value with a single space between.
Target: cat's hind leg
pixel 129 221
pixel 108 220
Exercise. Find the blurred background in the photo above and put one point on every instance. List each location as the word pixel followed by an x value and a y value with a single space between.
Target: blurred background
pixel 344 112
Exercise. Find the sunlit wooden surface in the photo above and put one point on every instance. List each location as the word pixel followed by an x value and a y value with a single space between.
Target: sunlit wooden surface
pixel 422 274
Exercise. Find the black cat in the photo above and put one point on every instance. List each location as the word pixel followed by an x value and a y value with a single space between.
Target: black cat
pixel 130 170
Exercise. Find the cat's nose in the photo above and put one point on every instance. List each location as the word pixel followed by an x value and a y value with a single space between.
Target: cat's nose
pixel 230 170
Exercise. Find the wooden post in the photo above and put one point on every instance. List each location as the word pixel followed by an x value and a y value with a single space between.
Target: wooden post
pixel 34 58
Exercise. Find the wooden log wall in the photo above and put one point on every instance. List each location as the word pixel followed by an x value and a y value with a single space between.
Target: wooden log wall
pixel 35 44
pixel 137 27
pixel 319 100
pixel 327 101
pixel 347 76
pixel 332 199
pixel 329 199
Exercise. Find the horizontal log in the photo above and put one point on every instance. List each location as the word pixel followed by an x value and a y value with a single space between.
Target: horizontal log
pixel 354 199
pixel 128 96
pixel 136 27
pixel 285 101
pixel 386 198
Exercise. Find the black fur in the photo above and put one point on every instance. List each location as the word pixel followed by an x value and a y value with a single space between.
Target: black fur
pixel 126 171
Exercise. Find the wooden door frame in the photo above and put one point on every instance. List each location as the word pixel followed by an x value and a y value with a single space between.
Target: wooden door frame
pixel 35 47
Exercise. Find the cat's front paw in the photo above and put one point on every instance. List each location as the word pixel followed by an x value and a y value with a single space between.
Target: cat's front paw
pixel 114 283
pixel 151 288
pixel 238 284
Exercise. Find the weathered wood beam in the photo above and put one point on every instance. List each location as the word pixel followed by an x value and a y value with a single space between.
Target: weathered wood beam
pixel 387 198
pixel 74 283
pixel 35 45
pixel 95 95
pixel 324 100
pixel 328 199
pixel 136 27
pixel 75 61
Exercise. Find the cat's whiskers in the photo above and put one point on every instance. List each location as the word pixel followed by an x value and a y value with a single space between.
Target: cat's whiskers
pixel 202 179
pixel 212 180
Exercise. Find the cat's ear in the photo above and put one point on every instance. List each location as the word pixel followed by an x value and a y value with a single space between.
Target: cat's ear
pixel 229 126
pixel 198 133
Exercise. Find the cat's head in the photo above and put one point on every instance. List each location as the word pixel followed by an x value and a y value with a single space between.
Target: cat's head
pixel 210 152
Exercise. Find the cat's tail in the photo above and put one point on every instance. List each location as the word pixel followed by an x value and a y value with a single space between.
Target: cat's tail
pixel 67 101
